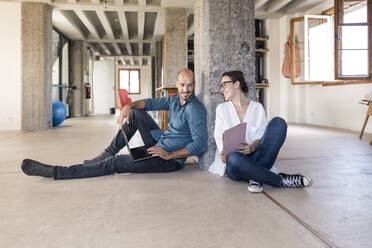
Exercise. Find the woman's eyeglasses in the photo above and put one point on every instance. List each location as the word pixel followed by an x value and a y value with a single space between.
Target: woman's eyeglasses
pixel 223 85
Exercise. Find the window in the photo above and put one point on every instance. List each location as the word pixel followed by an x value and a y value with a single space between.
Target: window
pixel 318 48
pixel 353 37
pixel 340 55
pixel 129 79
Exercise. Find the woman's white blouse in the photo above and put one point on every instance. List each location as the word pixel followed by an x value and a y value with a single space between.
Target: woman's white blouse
pixel 227 117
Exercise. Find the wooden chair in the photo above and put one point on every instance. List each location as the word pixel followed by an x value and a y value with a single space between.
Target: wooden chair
pixel 369 113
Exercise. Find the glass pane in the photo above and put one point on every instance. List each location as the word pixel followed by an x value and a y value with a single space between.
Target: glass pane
pixel 355 12
pixel 55 68
pixel 134 82
pixel 354 62
pixel 354 37
pixel 65 60
pixel 55 72
pixel 124 79
pixel 320 52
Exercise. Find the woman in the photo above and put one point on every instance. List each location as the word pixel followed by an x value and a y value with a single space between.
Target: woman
pixel 254 160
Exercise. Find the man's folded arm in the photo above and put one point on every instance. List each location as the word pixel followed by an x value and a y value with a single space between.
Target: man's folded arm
pixel 157 104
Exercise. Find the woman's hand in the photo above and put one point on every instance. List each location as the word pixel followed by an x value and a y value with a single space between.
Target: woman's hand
pixel 222 157
pixel 248 149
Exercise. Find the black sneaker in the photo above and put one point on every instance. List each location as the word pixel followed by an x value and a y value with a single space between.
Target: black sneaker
pixel 254 187
pixel 295 181
pixel 33 168
pixel 102 156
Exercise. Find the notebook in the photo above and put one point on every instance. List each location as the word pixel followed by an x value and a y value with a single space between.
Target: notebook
pixel 138 153
pixel 233 138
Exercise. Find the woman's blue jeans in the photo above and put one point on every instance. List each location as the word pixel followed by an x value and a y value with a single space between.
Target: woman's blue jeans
pixel 256 166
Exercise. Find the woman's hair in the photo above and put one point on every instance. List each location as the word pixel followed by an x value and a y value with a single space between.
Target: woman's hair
pixel 237 76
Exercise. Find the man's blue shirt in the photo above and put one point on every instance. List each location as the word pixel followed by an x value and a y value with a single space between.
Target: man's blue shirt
pixel 187 124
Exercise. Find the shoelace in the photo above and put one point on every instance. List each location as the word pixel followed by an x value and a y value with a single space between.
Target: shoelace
pixel 292 181
pixel 254 184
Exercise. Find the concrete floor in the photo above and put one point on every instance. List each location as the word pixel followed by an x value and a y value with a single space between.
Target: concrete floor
pixel 188 208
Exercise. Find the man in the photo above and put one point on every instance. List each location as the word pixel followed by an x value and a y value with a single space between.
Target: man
pixel 186 135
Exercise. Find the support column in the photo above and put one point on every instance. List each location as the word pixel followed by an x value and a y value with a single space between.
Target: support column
pixel 36 66
pixel 79 75
pixel 175 47
pixel 224 41
pixel 158 65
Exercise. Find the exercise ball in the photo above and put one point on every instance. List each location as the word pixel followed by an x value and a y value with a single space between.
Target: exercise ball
pixel 59 112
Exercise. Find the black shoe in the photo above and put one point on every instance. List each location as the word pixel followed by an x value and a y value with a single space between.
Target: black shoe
pixel 295 181
pixel 99 158
pixel 33 168
pixel 254 187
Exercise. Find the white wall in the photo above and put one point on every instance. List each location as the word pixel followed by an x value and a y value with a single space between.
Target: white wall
pixel 145 84
pixel 10 66
pixel 333 106
pixel 103 86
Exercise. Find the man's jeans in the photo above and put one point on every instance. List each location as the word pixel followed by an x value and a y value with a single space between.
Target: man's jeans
pixel 256 166
pixel 139 120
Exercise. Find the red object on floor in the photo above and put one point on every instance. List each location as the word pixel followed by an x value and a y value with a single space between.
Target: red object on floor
pixel 124 98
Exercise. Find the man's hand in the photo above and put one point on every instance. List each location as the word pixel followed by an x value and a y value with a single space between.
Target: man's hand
pixel 159 152
pixel 222 157
pixel 248 149
pixel 124 114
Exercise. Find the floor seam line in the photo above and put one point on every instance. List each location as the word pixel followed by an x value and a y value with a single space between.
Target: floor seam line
pixel 10 172
pixel 325 240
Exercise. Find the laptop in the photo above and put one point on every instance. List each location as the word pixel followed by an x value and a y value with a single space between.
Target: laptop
pixel 138 153
pixel 233 138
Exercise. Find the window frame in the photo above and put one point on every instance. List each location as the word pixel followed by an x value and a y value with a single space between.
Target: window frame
pixel 338 17
pixel 129 82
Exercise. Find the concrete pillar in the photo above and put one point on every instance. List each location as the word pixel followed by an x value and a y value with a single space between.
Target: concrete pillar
pixel 79 75
pixel 224 40
pixel 36 66
pixel 158 65
pixel 175 47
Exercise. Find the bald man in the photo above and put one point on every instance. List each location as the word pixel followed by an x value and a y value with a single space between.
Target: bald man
pixel 186 135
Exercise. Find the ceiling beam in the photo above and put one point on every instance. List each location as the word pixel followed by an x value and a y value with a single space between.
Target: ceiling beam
pixel 110 6
pixel 123 62
pixel 299 6
pixel 62 23
pixel 119 40
pixel 124 30
pixel 277 5
pixel 141 28
pixel 74 25
pixel 106 25
pixel 108 29
pixel 87 24
pixel 117 48
pixel 123 25
pixel 125 57
pixel 105 48
pixel 157 33
pixel 258 3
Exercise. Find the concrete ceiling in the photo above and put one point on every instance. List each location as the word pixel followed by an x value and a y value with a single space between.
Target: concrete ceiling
pixel 124 29
pixel 277 8
pixel 129 29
